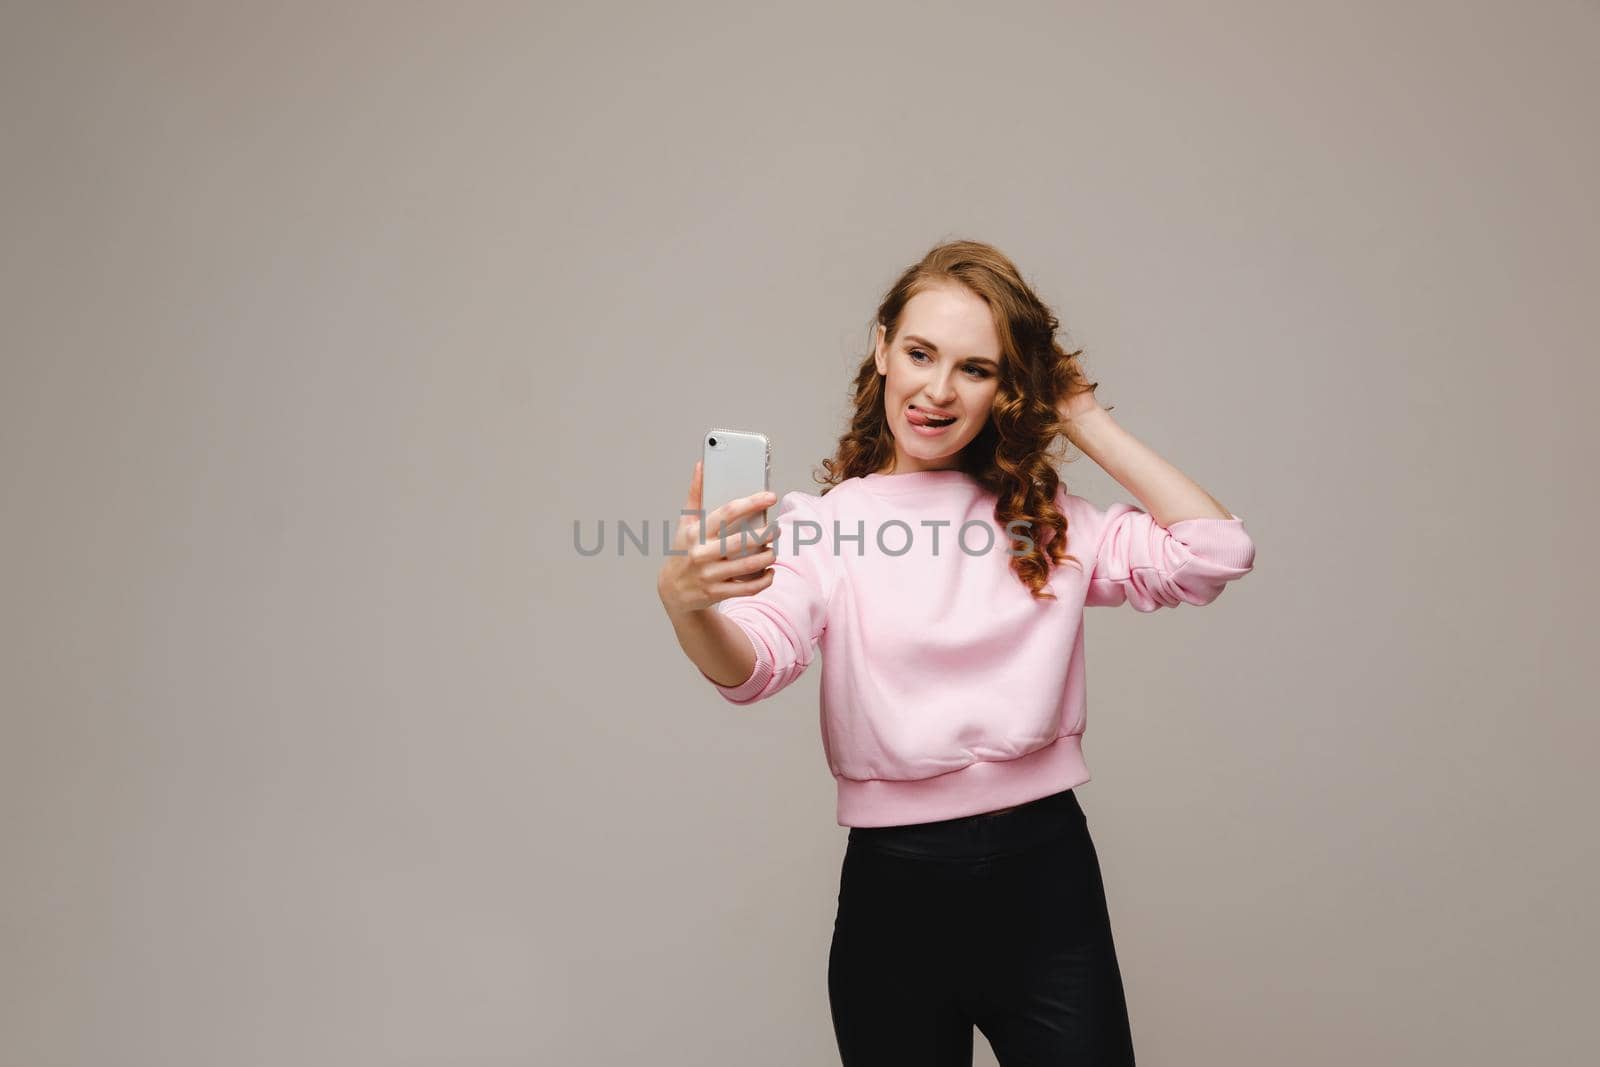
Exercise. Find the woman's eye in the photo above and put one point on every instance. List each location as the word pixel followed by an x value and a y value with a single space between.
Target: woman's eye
pixel 982 372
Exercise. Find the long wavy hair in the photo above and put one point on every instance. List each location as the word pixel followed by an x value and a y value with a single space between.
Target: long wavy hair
pixel 1015 454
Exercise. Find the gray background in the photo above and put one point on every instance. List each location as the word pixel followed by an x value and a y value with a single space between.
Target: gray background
pixel 322 324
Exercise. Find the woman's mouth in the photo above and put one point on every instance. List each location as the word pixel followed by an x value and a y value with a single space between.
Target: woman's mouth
pixel 927 425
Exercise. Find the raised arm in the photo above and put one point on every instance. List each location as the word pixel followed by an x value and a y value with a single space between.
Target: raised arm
pixel 1166 493
pixel 1183 548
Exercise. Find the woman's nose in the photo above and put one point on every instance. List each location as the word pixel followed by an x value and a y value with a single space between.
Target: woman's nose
pixel 942 390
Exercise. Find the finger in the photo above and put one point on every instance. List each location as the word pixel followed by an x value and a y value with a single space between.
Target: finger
pixel 735 546
pixel 734 510
pixel 696 485
pixel 725 590
pixel 738 568
pixel 733 542
pixel 738 537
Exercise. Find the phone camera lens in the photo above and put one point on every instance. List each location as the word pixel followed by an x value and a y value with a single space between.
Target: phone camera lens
pixel 713 442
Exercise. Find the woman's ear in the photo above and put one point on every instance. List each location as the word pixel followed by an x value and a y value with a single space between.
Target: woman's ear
pixel 877 349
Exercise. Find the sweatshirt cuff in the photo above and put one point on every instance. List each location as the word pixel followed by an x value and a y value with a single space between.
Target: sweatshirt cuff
pixel 1222 541
pixel 746 691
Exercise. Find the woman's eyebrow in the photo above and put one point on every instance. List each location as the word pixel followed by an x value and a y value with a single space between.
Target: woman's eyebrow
pixel 925 343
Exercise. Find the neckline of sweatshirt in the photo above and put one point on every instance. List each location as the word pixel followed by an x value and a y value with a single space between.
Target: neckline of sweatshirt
pixel 917 481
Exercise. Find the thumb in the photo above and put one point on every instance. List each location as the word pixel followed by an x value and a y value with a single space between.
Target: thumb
pixel 696 487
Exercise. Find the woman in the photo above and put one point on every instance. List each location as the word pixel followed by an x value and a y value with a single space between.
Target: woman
pixel 943 572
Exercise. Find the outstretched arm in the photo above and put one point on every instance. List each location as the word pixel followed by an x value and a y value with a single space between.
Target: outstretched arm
pixel 1166 492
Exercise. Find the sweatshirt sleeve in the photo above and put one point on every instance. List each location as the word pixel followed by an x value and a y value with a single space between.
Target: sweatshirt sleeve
pixel 1149 566
pixel 785 620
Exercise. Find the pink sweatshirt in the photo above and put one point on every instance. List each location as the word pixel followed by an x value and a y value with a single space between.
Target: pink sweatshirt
pixel 947 690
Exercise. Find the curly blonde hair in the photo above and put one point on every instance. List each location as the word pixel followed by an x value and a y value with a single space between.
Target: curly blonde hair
pixel 1014 455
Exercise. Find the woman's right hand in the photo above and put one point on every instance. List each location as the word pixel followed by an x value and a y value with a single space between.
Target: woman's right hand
pixel 702 574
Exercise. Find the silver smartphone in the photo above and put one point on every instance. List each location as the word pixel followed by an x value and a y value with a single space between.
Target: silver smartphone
pixel 735 463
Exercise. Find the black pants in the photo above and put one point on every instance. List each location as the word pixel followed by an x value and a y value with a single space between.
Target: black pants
pixel 997 921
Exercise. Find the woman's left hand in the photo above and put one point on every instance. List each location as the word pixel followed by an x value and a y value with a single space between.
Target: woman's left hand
pixel 1078 403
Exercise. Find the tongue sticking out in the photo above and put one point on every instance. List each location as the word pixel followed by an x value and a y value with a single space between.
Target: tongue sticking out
pixel 917 418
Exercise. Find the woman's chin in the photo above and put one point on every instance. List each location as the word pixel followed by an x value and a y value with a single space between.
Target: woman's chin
pixel 930 454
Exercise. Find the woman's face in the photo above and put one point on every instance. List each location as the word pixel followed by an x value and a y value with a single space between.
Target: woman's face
pixel 944 360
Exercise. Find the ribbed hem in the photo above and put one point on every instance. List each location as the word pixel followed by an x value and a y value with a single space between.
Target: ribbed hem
pixel 1222 541
pixel 978 787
